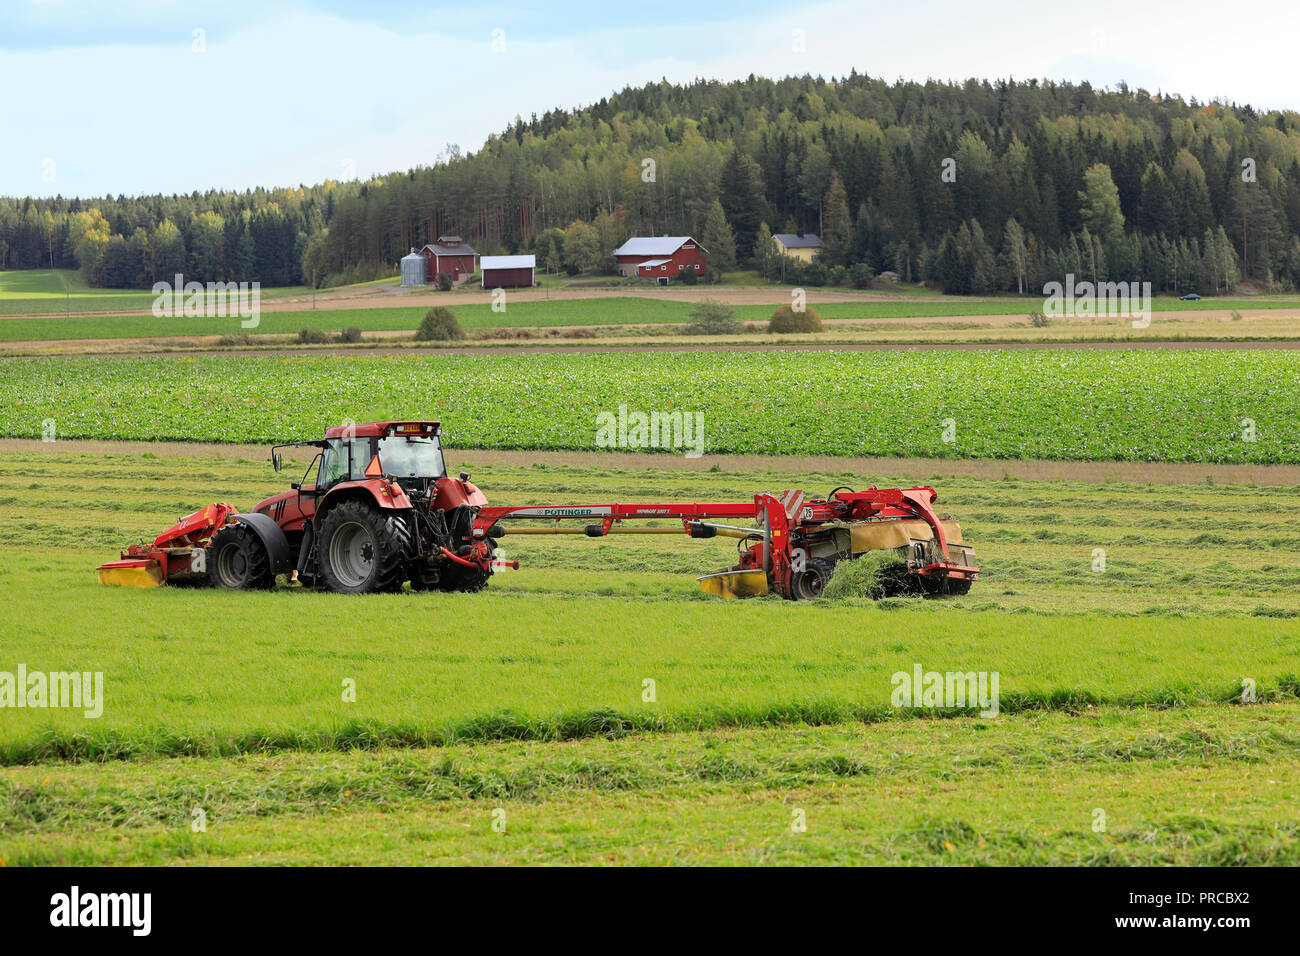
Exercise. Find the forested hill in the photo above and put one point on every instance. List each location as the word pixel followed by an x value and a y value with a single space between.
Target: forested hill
pixel 977 186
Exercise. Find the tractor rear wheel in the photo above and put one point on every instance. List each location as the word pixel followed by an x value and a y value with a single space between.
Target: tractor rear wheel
pixel 362 549
pixel 238 560
pixel 808 584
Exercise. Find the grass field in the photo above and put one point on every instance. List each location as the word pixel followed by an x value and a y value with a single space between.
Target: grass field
pixel 1120 689
pixel 1154 405
pixel 607 310
pixel 56 291
pixel 1159 688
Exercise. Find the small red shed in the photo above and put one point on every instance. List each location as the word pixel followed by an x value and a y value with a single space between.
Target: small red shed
pixel 508 272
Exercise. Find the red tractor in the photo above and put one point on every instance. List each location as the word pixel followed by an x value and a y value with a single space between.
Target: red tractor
pixel 382 511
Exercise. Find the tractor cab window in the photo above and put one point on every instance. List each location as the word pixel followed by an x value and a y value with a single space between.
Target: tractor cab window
pixel 343 460
pixel 411 456
pixel 334 463
pixel 359 455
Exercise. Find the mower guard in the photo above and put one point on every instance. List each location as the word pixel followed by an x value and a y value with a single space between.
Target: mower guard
pixel 132 573
pixel 735 584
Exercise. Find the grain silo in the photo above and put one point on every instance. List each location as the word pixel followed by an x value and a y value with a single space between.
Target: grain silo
pixel 413 269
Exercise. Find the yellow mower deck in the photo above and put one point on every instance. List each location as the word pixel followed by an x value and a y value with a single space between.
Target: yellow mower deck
pixel 735 584
pixel 131 574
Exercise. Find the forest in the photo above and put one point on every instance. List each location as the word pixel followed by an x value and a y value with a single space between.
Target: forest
pixel 976 187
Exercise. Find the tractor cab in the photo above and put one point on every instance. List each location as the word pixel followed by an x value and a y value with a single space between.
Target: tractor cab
pixel 395 450
pixel 373 457
pixel 407 451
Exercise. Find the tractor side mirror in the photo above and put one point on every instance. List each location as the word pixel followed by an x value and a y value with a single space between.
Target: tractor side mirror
pixel 464 476
pixel 276 462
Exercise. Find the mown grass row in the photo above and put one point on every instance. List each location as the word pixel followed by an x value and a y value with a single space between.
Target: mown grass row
pixel 604 723
pixel 784 756
pixel 559 649
pixel 1187 786
pixel 1035 540
pixel 199 671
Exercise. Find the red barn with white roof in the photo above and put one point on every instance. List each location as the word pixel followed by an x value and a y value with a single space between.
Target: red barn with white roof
pixel 663 258
pixel 509 272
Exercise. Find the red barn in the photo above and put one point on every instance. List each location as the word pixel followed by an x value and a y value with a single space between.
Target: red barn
pixel 449 255
pixel 662 258
pixel 509 272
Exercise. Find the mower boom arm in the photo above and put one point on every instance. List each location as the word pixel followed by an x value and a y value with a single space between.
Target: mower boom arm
pixel 841 506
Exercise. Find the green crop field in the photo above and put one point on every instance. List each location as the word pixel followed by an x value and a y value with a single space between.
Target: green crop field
pixel 1153 405
pixel 1121 689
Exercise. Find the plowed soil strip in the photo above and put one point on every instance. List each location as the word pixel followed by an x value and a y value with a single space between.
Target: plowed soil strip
pixel 919 469
pixel 202 346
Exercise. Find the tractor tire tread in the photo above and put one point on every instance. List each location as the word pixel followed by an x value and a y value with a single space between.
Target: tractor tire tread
pixel 258 576
pixel 392 544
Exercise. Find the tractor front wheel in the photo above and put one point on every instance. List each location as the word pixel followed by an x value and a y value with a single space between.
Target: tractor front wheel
pixel 237 560
pixel 362 549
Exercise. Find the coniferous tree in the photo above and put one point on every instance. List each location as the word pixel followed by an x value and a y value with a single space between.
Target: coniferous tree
pixel 718 238
pixel 764 251
pixel 740 190
pixel 1015 253
pixel 837 226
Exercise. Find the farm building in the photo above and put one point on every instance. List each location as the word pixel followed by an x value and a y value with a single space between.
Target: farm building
pixel 449 256
pixel 414 269
pixel 662 258
pixel 798 245
pixel 508 272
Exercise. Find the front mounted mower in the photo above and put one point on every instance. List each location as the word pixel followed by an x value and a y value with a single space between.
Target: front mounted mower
pixel 381 512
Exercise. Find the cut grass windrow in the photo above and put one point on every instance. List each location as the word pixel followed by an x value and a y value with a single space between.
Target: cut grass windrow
pixel 791 755
pixel 605 723
pixel 1203 785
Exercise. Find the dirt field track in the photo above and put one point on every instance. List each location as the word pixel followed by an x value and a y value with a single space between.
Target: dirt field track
pixel 1160 473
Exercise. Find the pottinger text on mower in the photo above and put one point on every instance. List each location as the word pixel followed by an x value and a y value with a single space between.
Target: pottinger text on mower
pixel 376 509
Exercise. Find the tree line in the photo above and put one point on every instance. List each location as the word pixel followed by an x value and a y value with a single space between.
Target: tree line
pixel 979 186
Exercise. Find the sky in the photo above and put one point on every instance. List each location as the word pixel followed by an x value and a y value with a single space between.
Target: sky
pixel 166 97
